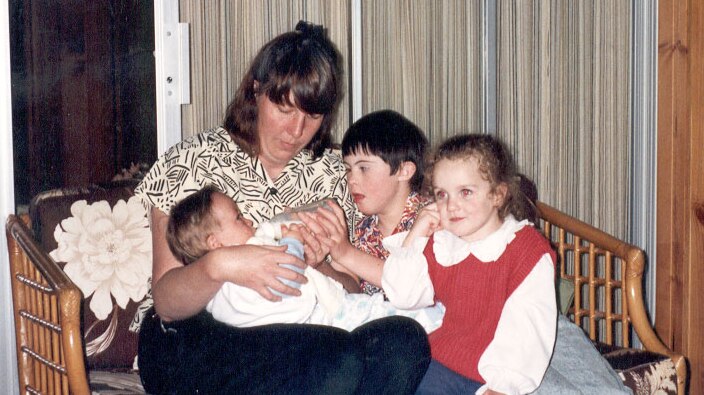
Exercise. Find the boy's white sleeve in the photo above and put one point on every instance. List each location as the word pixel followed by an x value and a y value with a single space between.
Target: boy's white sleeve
pixel 405 277
pixel 516 359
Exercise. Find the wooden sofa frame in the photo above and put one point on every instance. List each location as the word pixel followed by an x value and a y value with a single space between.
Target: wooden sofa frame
pixel 606 270
pixel 47 305
pixel 47 312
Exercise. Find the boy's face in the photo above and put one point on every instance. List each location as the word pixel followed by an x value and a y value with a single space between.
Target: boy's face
pixel 234 228
pixel 372 186
pixel 466 204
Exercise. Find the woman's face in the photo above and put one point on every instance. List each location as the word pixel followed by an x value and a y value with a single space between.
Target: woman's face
pixel 283 132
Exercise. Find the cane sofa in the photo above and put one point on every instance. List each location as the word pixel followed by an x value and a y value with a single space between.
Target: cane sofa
pixel 53 317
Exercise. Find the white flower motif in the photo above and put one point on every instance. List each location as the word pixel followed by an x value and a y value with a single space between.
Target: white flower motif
pixel 107 252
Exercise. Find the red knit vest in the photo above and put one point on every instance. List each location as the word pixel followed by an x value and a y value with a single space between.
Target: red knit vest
pixel 474 293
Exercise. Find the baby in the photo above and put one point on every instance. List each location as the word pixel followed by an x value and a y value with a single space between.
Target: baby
pixel 208 219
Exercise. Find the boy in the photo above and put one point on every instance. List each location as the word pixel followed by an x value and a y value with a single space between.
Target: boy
pixel 384 154
pixel 208 219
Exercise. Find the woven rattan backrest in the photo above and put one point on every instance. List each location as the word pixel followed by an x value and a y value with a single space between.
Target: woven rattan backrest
pixel 607 274
pixel 47 318
pixel 602 269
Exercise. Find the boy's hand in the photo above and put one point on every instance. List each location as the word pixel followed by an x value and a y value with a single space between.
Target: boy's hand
pixel 314 250
pixel 328 229
pixel 427 222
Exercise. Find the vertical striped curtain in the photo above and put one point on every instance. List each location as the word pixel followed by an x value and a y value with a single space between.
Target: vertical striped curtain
pixel 563 93
pixel 226 35
pixel 563 98
pixel 563 79
pixel 423 59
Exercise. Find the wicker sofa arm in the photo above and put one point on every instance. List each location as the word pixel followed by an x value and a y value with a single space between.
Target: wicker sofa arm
pixel 593 260
pixel 47 313
pixel 47 304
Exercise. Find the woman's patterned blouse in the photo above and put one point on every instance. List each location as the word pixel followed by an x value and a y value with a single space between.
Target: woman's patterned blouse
pixel 368 237
pixel 212 157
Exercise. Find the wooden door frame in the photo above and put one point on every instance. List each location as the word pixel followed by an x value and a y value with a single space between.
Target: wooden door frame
pixel 680 182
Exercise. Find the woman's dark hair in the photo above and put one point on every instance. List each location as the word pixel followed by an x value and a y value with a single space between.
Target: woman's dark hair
pixel 190 222
pixel 496 166
pixel 390 136
pixel 303 62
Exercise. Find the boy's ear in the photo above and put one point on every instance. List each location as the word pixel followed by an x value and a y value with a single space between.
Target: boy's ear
pixel 406 171
pixel 212 242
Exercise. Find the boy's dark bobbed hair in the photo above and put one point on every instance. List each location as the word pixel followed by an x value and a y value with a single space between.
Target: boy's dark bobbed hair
pixel 390 136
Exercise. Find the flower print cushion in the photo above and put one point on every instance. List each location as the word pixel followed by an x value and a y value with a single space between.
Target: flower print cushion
pixel 100 235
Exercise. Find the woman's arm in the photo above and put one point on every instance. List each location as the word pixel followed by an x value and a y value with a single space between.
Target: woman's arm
pixel 338 273
pixel 181 291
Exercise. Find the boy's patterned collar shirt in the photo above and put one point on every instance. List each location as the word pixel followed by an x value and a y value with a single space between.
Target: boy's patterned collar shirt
pixel 368 237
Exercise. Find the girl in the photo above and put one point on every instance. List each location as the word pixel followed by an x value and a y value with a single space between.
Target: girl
pixel 473 250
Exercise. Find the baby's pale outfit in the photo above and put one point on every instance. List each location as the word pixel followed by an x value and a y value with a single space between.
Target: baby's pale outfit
pixel 323 300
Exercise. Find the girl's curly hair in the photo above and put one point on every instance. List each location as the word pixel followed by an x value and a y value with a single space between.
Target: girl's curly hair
pixel 496 166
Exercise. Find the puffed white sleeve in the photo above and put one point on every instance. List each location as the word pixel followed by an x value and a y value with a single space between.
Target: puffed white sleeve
pixel 405 277
pixel 518 356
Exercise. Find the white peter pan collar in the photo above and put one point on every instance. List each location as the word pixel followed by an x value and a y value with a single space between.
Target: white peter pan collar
pixel 450 250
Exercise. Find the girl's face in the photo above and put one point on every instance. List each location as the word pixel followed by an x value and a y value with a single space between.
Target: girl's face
pixel 283 132
pixel 372 186
pixel 466 204
pixel 234 228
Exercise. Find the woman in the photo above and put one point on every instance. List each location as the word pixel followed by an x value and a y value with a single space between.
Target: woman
pixel 272 152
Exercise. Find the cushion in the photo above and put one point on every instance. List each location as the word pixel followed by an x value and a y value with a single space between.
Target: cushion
pixel 100 235
pixel 115 383
pixel 644 372
pixel 565 294
pixel 577 367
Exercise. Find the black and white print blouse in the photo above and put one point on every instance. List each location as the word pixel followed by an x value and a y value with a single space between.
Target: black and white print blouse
pixel 211 157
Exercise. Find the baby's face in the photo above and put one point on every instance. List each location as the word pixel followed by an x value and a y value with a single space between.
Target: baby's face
pixel 234 228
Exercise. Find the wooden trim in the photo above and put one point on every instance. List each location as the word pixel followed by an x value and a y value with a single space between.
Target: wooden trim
pixel 680 182
pixel 41 288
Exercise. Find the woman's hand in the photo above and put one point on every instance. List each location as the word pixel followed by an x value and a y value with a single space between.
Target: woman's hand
pixel 257 268
pixel 492 392
pixel 427 222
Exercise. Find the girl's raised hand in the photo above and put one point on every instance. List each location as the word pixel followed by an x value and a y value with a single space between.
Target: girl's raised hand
pixel 427 222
